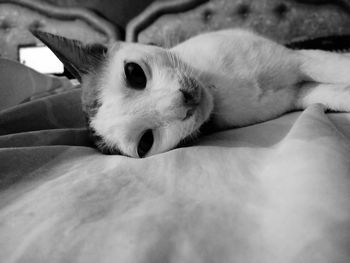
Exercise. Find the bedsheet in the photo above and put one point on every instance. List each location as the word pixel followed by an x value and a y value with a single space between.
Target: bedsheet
pixel 278 191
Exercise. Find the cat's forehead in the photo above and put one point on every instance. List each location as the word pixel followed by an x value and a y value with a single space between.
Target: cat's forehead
pixel 125 49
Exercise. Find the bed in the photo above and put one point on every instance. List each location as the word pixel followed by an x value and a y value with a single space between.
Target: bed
pixel 278 191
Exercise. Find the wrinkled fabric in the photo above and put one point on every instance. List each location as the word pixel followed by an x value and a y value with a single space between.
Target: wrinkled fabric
pixel 277 191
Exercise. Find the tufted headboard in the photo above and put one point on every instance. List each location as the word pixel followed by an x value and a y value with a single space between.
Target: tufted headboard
pixel 18 16
pixel 167 23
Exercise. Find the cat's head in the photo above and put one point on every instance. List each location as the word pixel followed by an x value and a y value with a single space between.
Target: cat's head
pixel 139 100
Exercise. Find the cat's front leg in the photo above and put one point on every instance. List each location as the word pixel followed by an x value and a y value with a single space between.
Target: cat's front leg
pixel 334 97
pixel 327 80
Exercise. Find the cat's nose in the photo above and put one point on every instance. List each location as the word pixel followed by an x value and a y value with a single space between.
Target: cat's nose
pixel 191 96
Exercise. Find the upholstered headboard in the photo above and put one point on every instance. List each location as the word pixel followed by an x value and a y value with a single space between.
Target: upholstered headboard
pixel 167 23
pixel 18 16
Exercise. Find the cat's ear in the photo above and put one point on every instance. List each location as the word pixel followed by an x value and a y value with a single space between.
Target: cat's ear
pixel 78 58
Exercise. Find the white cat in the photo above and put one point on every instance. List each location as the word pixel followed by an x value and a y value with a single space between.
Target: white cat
pixel 142 100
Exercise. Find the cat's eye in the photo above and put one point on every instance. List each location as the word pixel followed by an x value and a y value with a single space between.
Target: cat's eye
pixel 145 143
pixel 135 76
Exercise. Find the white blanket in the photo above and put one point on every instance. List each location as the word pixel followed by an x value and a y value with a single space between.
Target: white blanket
pixel 273 192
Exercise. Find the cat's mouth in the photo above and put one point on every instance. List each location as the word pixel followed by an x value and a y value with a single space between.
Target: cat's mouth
pixel 198 114
pixel 190 112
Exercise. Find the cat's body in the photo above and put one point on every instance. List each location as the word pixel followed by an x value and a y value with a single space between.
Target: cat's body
pixel 257 79
pixel 143 100
pixel 244 69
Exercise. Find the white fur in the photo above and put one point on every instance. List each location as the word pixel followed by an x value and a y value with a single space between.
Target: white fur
pixel 244 79
pixel 125 113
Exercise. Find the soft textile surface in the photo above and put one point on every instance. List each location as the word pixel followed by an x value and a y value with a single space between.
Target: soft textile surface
pixel 273 192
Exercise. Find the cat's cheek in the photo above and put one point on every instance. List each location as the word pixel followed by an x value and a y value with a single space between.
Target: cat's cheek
pixel 166 138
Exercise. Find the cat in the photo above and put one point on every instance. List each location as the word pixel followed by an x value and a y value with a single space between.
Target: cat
pixel 142 100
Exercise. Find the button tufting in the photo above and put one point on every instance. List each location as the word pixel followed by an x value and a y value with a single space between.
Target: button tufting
pixel 5 25
pixel 207 15
pixel 36 24
pixel 280 10
pixel 243 10
pixel 153 44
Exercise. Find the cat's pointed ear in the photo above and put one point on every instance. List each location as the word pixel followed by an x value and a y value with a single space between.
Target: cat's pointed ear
pixel 78 58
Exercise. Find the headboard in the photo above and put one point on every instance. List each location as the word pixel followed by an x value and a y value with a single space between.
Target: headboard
pixel 167 23
pixel 18 16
